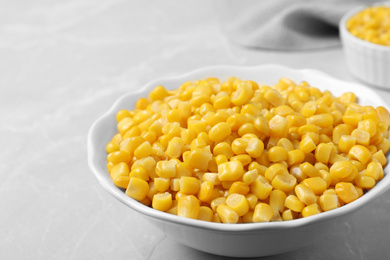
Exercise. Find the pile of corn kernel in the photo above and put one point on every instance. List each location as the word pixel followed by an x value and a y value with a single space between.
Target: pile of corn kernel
pixel 371 24
pixel 239 152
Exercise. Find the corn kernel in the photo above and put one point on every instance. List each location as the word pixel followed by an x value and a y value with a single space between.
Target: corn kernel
pixel 189 185
pixel 277 154
pixel 360 153
pixel 162 201
pixel 262 213
pixel 188 206
pixel 205 213
pixel 206 190
pixel 238 203
pixel 261 187
pixel 285 182
pixel 329 202
pixel 310 210
pixel 137 189
pixel 346 192
pixel 227 214
pixel 230 171
pixel 292 202
pixel 316 184
pixel 305 194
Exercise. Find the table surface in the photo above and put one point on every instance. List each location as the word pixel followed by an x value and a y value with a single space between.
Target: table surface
pixel 64 63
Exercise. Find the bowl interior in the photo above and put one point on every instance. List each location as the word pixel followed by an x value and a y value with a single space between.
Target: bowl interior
pixel 104 128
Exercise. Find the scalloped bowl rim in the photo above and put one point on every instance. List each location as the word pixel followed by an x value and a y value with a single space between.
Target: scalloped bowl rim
pixel 103 178
pixel 351 37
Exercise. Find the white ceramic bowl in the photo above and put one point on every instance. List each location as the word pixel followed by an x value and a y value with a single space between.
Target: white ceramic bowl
pixel 367 61
pixel 239 240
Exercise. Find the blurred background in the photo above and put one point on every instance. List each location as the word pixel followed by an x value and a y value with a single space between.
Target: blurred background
pixel 64 63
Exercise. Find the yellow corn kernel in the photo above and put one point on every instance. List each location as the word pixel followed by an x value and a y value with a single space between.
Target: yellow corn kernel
pixel 261 187
pixel 216 202
pixel 305 194
pixel 112 147
pixel 262 213
pixel 309 109
pixel 206 190
pixel 189 185
pixel 309 169
pixel 260 168
pixel 329 201
pixel 205 213
pixel 239 145
pixel 384 115
pixel 307 145
pixel 292 202
pixel 125 124
pixel 277 154
pixel 220 131
pixel 362 137
pixel 120 169
pixel 239 188
pixel 230 171
pixel 118 157
pixel 109 166
pixel 346 192
pixel 174 184
pixel 374 170
pixel 288 214
pixel 252 200
pixel 255 147
pixel 166 169
pixel 188 206
pixel 227 214
pixel 286 144
pixel 322 120
pixel 247 128
pixel 223 148
pixel 236 121
pixel 384 145
pixel 212 177
pixel 361 153
pixel 139 172
pixel 296 171
pixel 310 210
pixel 122 114
pixel 284 182
pixel 342 169
pixel 340 130
pixel 137 189
pixel 295 156
pixel 242 95
pixel 222 100
pixel 274 97
pixel 278 126
pixel 250 176
pixel 262 125
pixel 369 126
pixel 175 146
pixel 143 150
pixel 121 181
pixel 162 201
pixel 238 203
pixel 161 184
pixel 346 142
pixel 243 158
pixel 365 182
pixel 316 184
pixel 277 199
pixel 380 157
pixel 323 152
pixel 275 169
pixel 199 159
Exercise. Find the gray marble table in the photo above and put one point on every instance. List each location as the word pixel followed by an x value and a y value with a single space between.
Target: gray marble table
pixel 62 64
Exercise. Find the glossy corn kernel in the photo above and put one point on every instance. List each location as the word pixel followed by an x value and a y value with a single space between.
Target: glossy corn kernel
pixel 295 156
pixel 255 147
pixel 361 153
pixel 227 214
pixel 239 187
pixel 310 210
pixel 162 201
pixel 346 192
pixel 250 176
pixel 262 213
pixel 137 189
pixel 277 154
pixel 322 120
pixel 307 145
pixel 205 213
pixel 276 200
pixel 292 202
pixel 329 201
pixel 316 184
pixel 188 206
pixel 323 152
pixel 309 169
pixel 261 187
pixel 365 182
pixel 374 170
pixel 206 190
pixel 166 169
pixel 278 126
pixel 238 203
pixel 189 185
pixel 230 171
pixel 284 182
pixel 305 194
pixel 220 131
pixel 199 159
pixel 161 184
